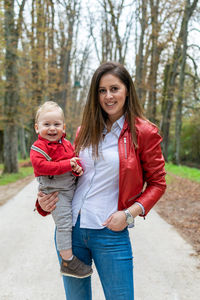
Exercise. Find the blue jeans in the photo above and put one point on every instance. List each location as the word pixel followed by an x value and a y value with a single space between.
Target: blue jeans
pixel 112 254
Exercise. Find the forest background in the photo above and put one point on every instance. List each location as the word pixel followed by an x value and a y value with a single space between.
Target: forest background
pixel 50 48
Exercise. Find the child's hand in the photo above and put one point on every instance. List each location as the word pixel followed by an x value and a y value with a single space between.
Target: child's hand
pixel 73 162
pixel 78 170
pixel 75 167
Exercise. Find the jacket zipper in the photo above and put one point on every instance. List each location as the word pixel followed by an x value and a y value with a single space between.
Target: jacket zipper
pixel 125 148
pixel 135 197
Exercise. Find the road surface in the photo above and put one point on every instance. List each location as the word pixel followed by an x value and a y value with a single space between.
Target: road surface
pixel 165 267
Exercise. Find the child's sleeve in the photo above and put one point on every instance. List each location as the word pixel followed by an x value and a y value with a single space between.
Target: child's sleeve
pixel 44 167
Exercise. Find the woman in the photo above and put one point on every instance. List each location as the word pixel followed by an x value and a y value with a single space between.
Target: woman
pixel 123 177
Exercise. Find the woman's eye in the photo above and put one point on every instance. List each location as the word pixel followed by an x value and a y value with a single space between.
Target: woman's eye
pixel 102 91
pixel 114 89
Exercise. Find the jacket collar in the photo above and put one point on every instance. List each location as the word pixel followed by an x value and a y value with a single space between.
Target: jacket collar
pixel 125 127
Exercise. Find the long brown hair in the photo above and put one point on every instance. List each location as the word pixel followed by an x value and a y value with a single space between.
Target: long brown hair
pixel 94 117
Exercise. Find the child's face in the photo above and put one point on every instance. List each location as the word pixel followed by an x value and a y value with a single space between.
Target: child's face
pixel 50 125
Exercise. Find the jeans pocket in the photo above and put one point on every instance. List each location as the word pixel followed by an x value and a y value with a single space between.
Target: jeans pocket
pixel 116 231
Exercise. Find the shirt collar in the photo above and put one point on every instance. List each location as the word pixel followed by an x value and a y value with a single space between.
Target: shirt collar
pixel 120 122
pixel 116 127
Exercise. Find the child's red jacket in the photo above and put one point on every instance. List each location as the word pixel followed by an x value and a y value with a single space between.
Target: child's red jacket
pixel 60 152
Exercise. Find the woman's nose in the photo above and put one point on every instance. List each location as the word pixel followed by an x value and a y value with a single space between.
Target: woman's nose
pixel 108 95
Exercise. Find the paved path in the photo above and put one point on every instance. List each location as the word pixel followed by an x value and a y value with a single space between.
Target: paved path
pixel 164 266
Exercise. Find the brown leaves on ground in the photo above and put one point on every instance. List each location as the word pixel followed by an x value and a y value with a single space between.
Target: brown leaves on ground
pixel 180 207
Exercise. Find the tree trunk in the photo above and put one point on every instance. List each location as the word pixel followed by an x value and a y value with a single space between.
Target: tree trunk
pixel 152 80
pixel 52 65
pixel 38 51
pixel 170 87
pixel 156 50
pixel 187 13
pixel 72 13
pixel 22 143
pixel 10 149
pixel 1 146
pixel 11 97
pixel 139 80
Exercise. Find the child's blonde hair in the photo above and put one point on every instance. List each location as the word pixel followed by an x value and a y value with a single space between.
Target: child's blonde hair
pixel 46 107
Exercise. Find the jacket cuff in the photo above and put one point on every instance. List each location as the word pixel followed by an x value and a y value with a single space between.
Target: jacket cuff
pixel 142 207
pixel 40 210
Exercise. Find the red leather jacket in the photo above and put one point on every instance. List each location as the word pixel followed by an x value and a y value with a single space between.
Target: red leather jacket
pixel 139 167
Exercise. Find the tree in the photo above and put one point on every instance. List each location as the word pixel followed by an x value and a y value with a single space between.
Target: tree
pixel 72 10
pixel 158 22
pixel 140 72
pixel 187 14
pixel 2 47
pixel 172 75
pixel 11 98
pixel 110 43
pixel 156 49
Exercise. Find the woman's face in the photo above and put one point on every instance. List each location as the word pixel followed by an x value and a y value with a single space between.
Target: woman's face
pixel 112 96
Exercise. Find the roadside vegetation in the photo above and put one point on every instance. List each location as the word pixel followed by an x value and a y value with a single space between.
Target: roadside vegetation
pixel 183 171
pixel 25 169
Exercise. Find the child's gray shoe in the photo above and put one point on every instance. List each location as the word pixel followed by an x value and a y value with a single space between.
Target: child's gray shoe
pixel 75 268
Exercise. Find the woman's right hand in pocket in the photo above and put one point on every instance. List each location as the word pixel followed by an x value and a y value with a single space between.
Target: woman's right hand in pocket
pixel 47 201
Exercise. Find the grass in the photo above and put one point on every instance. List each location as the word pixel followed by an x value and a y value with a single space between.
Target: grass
pixel 183 171
pixel 9 178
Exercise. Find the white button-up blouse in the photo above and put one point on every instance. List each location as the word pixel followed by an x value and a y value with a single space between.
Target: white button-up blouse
pixel 96 194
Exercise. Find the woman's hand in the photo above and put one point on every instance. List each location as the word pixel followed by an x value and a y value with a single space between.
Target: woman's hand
pixel 48 202
pixel 116 221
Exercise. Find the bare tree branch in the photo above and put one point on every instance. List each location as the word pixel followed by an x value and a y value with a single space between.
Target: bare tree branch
pixel 20 17
pixel 194 29
pixel 193 45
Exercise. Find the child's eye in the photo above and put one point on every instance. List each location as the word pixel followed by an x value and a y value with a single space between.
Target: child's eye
pixel 46 124
pixel 57 124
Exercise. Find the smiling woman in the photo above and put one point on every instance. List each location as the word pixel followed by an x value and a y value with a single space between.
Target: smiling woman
pixel 112 97
pixel 109 95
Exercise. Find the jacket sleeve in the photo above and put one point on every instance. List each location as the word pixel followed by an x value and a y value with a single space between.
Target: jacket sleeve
pixel 45 167
pixel 40 210
pixel 152 162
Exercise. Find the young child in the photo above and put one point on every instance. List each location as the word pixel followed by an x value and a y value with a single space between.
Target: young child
pixel 53 160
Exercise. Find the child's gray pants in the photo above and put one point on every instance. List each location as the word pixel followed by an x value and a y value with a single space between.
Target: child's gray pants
pixel 62 214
